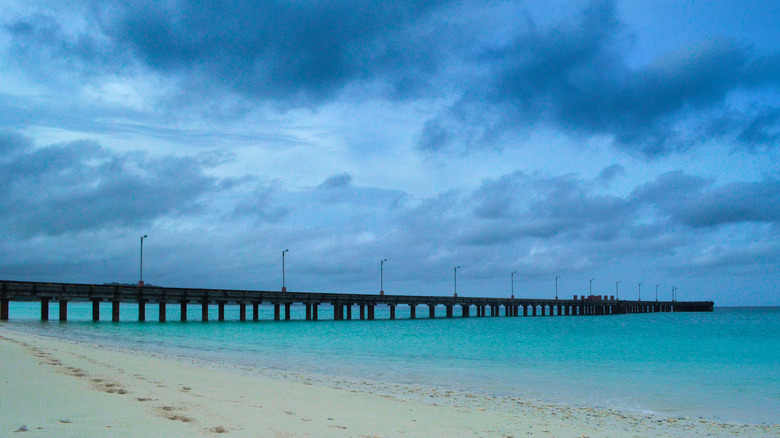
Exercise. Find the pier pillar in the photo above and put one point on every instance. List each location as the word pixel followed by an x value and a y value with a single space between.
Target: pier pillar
pixel 163 307
pixel 221 310
pixel 142 310
pixel 287 311
pixel 314 315
pixel 525 309
pixel 566 309
pixel 337 310
pixel 255 311
pixel 277 308
pixel 392 311
pixel 349 311
pixel 413 311
pixel 95 309
pixel 431 311
pixel 115 310
pixel 63 310
pixel 308 312
pixel 183 304
pixel 44 309
pixel 4 304
pixel 449 311
pixel 204 311
pixel 242 311
pixel 370 311
pixel 464 310
pixel 362 311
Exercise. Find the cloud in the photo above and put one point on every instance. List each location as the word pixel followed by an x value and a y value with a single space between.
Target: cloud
pixel 76 186
pixel 574 75
pixel 697 202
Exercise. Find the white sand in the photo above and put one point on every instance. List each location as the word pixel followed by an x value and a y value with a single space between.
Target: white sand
pixel 65 389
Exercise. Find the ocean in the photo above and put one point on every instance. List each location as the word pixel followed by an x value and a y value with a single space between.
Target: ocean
pixel 723 365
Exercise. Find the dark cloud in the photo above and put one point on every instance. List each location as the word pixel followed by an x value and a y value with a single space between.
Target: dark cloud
pixel 697 202
pixel 76 186
pixel 575 75
pixel 339 181
pixel 763 130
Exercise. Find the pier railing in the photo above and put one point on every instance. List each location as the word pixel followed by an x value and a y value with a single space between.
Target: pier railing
pixel 342 303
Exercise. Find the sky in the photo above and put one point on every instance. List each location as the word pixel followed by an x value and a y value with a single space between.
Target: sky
pixel 623 147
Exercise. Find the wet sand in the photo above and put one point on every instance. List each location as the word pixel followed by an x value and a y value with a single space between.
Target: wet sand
pixel 58 388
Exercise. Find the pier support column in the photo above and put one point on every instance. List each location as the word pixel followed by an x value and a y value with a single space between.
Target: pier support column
pixel 277 314
pixel 308 312
pixel 44 309
pixel 337 312
pixel 413 311
pixel 431 311
pixel 221 310
pixel 449 311
pixel 286 311
pixel 362 311
pixel 63 310
pixel 4 304
pixel 183 304
pixel 162 305
pixel 392 311
pixel 370 311
pixel 533 310
pixel 464 310
pixel 95 309
pixel 204 311
pixel 314 315
pixel 255 311
pixel 349 311
pixel 115 310
pixel 242 311
pixel 142 310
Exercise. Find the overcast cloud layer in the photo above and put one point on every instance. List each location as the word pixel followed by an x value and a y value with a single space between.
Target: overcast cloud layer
pixel 589 140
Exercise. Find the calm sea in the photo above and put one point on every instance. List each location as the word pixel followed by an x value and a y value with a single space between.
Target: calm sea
pixel 720 365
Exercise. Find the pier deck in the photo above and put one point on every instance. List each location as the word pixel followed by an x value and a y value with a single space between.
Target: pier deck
pixel 343 303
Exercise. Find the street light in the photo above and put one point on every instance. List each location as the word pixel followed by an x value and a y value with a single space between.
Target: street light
pixel 556 286
pixel 141 276
pixel 456 281
pixel 513 284
pixel 640 291
pixel 382 277
pixel 284 288
pixel 617 292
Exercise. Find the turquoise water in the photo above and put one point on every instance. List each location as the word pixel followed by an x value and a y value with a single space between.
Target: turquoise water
pixel 720 365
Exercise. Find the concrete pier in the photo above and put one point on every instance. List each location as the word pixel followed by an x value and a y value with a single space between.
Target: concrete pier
pixel 64 293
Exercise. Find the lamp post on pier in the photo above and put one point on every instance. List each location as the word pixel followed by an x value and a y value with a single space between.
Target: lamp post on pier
pixel 617 292
pixel 590 286
pixel 284 287
pixel 639 288
pixel 456 280
pixel 382 276
pixel 141 274
pixel 513 284
pixel 556 286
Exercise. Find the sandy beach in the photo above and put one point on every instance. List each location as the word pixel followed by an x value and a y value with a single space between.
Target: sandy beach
pixel 57 388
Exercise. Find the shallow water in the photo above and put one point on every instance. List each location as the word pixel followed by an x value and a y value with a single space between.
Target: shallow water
pixel 719 365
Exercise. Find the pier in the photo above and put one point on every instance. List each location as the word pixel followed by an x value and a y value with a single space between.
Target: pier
pixel 343 303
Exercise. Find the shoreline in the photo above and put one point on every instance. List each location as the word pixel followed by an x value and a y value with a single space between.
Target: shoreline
pixel 86 389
